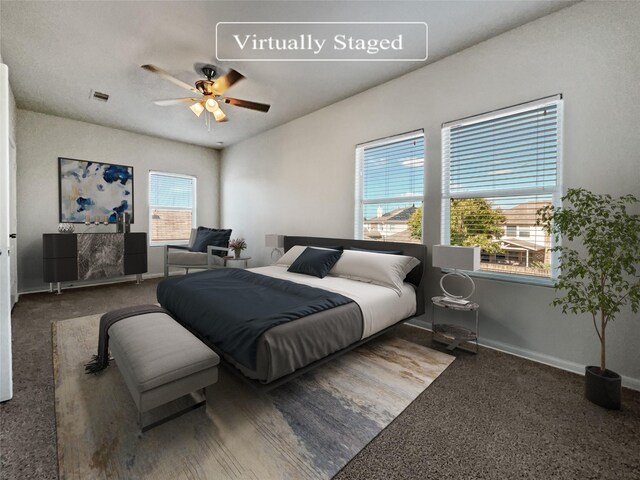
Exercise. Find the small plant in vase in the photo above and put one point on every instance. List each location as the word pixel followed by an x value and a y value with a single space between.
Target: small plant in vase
pixel 237 245
pixel 601 276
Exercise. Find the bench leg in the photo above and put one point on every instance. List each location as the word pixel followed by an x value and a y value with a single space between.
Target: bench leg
pixel 146 427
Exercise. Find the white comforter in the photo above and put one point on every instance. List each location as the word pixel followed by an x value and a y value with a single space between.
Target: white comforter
pixel 381 306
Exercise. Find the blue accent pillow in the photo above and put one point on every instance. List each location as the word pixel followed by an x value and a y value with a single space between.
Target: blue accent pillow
pixel 315 262
pixel 211 236
pixel 388 252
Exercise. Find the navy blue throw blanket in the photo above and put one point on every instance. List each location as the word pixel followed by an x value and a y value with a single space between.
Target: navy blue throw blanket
pixel 230 308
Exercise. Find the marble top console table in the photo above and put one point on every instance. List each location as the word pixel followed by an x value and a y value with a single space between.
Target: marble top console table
pixel 92 256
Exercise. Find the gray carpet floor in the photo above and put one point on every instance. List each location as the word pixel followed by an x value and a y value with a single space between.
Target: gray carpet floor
pixel 488 416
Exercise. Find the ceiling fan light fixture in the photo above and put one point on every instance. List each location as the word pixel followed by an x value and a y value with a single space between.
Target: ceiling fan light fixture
pixel 209 90
pixel 219 115
pixel 211 105
pixel 197 108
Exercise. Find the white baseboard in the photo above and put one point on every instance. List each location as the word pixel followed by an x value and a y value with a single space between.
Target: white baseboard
pixel 128 278
pixel 569 366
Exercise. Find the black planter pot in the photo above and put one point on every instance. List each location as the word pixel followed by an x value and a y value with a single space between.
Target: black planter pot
pixel 603 388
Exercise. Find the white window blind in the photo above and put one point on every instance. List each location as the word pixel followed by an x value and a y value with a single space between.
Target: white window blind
pixel 172 207
pixel 389 188
pixel 498 169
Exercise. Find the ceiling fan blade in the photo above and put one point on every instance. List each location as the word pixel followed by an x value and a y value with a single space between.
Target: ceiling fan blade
pixel 261 107
pixel 176 101
pixel 223 83
pixel 164 74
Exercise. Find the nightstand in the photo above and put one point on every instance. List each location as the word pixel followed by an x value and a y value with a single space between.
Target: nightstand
pixel 454 335
pixel 241 262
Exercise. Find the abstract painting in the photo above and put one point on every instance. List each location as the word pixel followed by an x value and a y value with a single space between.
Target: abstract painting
pixel 93 191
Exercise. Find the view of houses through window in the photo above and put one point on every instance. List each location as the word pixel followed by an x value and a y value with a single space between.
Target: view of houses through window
pixel 499 170
pixel 507 232
pixel 504 228
pixel 171 207
pixel 390 184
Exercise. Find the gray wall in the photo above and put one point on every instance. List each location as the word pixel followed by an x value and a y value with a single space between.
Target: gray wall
pixel 44 138
pixel 298 179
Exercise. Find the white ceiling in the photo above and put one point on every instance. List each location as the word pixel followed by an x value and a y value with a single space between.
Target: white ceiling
pixel 58 51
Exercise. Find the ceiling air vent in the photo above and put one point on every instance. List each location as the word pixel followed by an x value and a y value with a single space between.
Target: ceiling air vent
pixel 103 97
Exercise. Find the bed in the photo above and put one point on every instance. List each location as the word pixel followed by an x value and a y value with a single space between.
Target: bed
pixel 356 311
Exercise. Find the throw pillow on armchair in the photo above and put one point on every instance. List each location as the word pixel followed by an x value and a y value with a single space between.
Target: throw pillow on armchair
pixel 217 237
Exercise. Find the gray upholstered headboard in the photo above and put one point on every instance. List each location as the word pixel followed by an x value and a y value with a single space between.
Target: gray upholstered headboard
pixel 419 251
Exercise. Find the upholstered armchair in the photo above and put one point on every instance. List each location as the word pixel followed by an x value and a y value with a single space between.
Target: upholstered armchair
pixel 206 250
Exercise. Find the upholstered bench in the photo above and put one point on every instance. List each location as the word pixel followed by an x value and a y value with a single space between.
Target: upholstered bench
pixel 161 361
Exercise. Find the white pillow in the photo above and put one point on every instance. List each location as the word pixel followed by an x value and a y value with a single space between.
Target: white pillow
pixel 288 258
pixel 377 268
pixel 292 254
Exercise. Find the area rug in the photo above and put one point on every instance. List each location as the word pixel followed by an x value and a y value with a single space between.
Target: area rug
pixel 308 428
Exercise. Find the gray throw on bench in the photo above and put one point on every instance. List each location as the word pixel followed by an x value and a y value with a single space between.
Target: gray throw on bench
pixel 100 361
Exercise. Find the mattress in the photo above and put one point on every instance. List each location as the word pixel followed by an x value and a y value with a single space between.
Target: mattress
pixel 287 347
pixel 380 306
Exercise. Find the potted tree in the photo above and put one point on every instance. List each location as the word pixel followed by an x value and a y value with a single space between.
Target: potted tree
pixel 601 276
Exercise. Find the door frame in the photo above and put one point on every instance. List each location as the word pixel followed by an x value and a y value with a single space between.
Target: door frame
pixel 6 381
pixel 13 223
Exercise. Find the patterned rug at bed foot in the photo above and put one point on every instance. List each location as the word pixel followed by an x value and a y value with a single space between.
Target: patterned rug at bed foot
pixel 308 428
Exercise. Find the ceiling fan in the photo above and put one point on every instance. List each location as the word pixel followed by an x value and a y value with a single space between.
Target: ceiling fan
pixel 207 93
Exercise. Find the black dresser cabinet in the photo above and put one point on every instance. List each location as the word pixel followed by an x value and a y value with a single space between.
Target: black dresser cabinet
pixel 135 253
pixel 91 256
pixel 60 257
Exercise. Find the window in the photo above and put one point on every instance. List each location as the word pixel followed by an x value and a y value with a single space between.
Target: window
pixel 498 169
pixel 389 188
pixel 172 207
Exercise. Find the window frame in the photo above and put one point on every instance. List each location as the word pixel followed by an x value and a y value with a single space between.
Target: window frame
pixel 151 207
pixel 555 191
pixel 360 201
